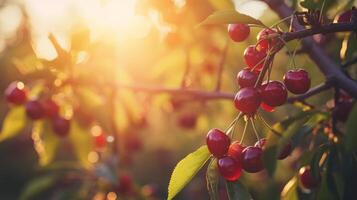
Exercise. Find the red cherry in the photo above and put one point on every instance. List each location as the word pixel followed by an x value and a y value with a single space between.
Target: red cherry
pixel 285 151
pixel 345 17
pixel 16 93
pixel 252 57
pixel 235 151
pixel 297 81
pixel 247 100
pixel 60 126
pixel 252 159
pixel 266 107
pixel 264 44
pixel 34 110
pixel 274 93
pixel 238 32
pixel 261 143
pixel 306 178
pixel 246 78
pixel 187 120
pixel 51 108
pixel 100 141
pixel 217 142
pixel 229 168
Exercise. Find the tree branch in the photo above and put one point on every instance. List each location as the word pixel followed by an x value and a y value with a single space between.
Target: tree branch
pixel 319 88
pixel 327 66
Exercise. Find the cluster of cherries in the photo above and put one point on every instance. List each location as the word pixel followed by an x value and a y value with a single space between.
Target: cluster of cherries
pixel 17 94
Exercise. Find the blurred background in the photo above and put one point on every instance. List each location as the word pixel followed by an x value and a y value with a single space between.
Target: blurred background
pixel 83 51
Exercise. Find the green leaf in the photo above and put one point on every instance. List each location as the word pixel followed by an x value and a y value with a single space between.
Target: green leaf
pixel 290 190
pixel 237 191
pixel 212 178
pixel 230 17
pixel 35 187
pixel 82 142
pixel 351 129
pixel 13 123
pixel 45 141
pixel 186 169
pixel 270 159
pixel 315 161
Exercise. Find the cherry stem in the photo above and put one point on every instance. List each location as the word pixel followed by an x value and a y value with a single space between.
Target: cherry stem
pixel 254 129
pixel 281 21
pixel 233 123
pixel 244 130
pixel 269 127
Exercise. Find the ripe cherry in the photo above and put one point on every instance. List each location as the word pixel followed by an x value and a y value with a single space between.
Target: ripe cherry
pixel 16 93
pixel 247 100
pixel 252 57
pixel 261 143
pixel 266 107
pixel 235 151
pixel 285 151
pixel 274 93
pixel 297 81
pixel 252 159
pixel 229 168
pixel 306 178
pixel 34 109
pixel 217 142
pixel 238 32
pixel 246 78
pixel 264 43
pixel 51 108
pixel 60 126
pixel 345 17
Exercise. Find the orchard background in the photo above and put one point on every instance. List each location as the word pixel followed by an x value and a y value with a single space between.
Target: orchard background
pixel 111 94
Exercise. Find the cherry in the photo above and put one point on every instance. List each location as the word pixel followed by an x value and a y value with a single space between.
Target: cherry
pixel 51 108
pixel 266 107
pixel 252 57
pixel 264 43
pixel 252 159
pixel 16 93
pixel 343 109
pixel 297 81
pixel 285 151
pixel 100 141
pixel 247 100
pixel 188 120
pixel 306 178
pixel 246 78
pixel 238 32
pixel 261 143
pixel 229 168
pixel 60 126
pixel 34 109
pixel 235 151
pixel 345 17
pixel 217 142
pixel 274 93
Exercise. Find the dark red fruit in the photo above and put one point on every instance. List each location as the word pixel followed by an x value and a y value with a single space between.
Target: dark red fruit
pixel 266 107
pixel 306 178
pixel 297 81
pixel 274 93
pixel 60 126
pixel 229 168
pixel 188 120
pixel 238 32
pixel 264 44
pixel 16 93
pixel 100 141
pixel 261 143
pixel 51 108
pixel 343 109
pixel 345 17
pixel 252 57
pixel 247 100
pixel 285 151
pixel 34 110
pixel 235 151
pixel 252 159
pixel 246 78
pixel 217 142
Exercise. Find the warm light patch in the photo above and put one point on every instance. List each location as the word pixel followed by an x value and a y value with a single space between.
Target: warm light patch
pixel 96 131
pixel 93 157
pixel 112 196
